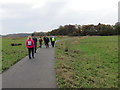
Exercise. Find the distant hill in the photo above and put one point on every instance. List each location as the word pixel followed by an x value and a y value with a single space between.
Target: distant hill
pixel 17 35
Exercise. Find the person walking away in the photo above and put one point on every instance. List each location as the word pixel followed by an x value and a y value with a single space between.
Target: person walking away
pixel 53 39
pixel 40 42
pixel 35 41
pixel 46 41
pixel 30 45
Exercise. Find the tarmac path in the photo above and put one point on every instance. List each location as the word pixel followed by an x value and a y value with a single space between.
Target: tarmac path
pixel 32 73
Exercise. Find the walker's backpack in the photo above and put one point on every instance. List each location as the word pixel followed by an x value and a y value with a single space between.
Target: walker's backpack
pixel 46 39
pixel 40 40
pixel 29 43
pixel 34 39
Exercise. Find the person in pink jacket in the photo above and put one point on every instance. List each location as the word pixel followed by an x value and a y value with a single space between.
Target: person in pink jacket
pixel 30 45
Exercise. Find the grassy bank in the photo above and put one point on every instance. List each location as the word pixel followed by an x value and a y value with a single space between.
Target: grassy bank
pixel 87 62
pixel 12 54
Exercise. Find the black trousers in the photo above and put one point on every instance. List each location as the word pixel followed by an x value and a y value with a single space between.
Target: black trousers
pixel 35 47
pixel 47 44
pixel 31 50
pixel 53 43
pixel 40 44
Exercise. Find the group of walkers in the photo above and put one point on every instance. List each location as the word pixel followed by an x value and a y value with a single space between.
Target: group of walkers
pixel 31 43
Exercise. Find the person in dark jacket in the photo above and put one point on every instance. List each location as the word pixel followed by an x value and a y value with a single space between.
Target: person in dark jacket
pixel 46 41
pixel 40 42
pixel 35 41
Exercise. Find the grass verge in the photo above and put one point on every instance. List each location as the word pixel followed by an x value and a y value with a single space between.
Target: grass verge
pixel 87 62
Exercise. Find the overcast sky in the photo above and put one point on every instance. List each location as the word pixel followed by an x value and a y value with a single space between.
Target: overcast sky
pixel 20 16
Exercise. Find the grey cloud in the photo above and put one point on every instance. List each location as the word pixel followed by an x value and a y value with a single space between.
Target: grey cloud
pixel 14 9
pixel 30 19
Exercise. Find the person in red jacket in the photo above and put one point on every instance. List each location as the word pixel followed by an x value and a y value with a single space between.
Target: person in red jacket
pixel 30 45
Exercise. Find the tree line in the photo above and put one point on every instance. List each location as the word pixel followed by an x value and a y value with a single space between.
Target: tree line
pixel 84 30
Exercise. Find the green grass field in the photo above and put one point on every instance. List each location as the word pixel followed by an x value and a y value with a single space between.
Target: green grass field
pixel 0 54
pixel 81 62
pixel 87 62
pixel 12 54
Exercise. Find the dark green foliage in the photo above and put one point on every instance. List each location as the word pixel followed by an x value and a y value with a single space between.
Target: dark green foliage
pixel 84 30
pixel 38 34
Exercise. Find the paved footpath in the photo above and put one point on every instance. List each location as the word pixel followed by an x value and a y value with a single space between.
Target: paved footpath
pixel 32 73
